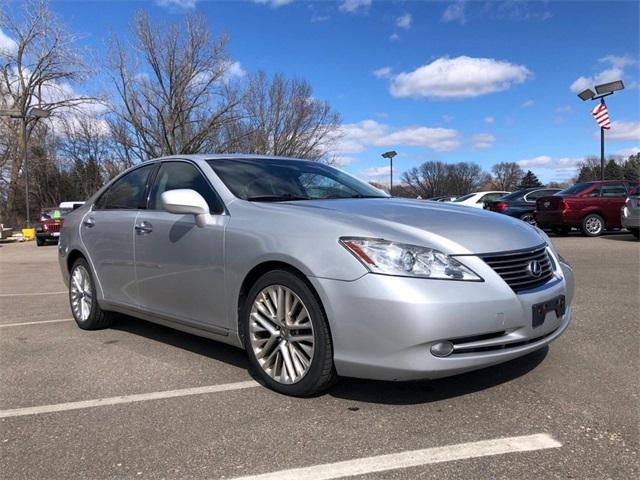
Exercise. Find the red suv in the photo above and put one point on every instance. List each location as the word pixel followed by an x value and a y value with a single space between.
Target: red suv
pixel 593 207
pixel 50 224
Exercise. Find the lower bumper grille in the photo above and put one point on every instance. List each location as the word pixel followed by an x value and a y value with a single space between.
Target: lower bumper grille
pixel 459 347
pixel 522 270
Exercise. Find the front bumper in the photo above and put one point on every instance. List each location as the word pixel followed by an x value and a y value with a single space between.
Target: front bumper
pixel 383 327
pixel 49 236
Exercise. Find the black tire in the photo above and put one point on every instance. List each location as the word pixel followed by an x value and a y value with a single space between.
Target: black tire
pixel 321 373
pixel 97 318
pixel 561 231
pixel 528 218
pixel 40 241
pixel 593 225
pixel 635 232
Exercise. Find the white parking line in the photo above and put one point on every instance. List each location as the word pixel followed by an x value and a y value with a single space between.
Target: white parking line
pixel 414 458
pixel 142 397
pixel 19 324
pixel 31 294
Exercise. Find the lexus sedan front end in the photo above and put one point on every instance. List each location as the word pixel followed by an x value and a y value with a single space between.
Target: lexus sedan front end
pixel 315 273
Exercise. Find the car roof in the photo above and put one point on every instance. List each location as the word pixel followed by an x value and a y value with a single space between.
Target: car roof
pixel 224 156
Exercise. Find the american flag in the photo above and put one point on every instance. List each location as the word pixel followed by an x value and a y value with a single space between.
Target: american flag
pixel 601 115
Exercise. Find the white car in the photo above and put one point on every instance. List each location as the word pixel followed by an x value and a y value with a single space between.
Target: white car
pixel 478 199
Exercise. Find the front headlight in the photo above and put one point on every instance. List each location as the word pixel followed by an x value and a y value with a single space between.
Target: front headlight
pixel 391 258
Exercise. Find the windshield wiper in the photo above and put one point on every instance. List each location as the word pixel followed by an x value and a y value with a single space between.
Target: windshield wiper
pixel 276 198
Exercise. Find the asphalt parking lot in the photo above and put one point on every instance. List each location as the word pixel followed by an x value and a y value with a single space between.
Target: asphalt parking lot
pixel 143 416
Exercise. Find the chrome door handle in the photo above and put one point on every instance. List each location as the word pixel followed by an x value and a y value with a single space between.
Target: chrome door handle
pixel 89 222
pixel 143 228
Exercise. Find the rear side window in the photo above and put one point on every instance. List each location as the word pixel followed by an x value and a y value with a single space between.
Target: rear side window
pixel 613 191
pixel 176 175
pixel 532 196
pixel 126 193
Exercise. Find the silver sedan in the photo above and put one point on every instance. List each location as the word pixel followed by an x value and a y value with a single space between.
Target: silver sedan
pixel 315 273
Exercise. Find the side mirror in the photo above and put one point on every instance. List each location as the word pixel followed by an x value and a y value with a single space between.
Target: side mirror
pixel 186 201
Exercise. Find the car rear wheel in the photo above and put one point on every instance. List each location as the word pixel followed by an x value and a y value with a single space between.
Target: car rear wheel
pixel 40 241
pixel 286 335
pixel 82 297
pixel 635 232
pixel 592 225
pixel 529 218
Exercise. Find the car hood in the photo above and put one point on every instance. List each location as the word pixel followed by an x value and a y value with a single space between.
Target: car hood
pixel 454 229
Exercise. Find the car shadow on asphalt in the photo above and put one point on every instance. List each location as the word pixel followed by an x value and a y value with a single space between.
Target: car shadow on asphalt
pixel 620 237
pixel 199 345
pixel 427 391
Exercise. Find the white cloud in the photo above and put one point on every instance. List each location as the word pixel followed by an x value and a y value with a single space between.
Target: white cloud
pixel 460 77
pixel 482 141
pixel 394 36
pixel 528 104
pixel 7 44
pixel 341 161
pixel 565 109
pixel 358 137
pixel 563 168
pixel 626 152
pixel 404 21
pixel 384 72
pixel 447 118
pixel 182 5
pixel 489 120
pixel 455 12
pixel 273 3
pixel 622 131
pixel 376 173
pixel 354 6
pixel 616 71
pixel 235 70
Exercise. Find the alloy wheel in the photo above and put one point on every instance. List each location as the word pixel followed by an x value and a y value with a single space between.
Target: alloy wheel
pixel 281 334
pixel 593 225
pixel 529 218
pixel 81 293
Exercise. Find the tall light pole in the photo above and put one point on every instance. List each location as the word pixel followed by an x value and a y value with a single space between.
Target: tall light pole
pixel 603 90
pixel 390 154
pixel 34 113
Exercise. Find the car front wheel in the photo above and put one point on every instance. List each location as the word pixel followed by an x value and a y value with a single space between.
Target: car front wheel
pixel 529 218
pixel 286 335
pixel 592 225
pixel 82 297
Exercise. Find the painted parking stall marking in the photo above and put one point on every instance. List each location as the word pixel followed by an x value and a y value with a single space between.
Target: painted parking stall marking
pixel 413 458
pixel 38 322
pixel 35 294
pixel 123 399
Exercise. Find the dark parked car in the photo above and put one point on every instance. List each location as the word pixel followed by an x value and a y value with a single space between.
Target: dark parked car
pixel 521 204
pixel 50 224
pixel 593 207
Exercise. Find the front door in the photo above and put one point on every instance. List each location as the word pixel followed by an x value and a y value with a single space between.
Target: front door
pixel 180 266
pixel 107 232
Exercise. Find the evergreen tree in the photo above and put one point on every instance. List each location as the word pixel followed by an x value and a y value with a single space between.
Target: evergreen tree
pixel 613 171
pixel 631 168
pixel 588 174
pixel 530 180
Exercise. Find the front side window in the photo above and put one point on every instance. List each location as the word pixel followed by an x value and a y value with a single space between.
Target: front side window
pixel 126 193
pixel 278 180
pixel 177 175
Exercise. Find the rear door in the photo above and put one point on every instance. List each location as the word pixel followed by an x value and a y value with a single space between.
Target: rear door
pixel 613 196
pixel 107 233
pixel 180 266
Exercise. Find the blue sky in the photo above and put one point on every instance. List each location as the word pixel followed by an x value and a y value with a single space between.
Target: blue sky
pixel 454 81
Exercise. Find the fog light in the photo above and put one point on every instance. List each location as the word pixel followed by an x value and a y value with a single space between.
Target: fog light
pixel 442 349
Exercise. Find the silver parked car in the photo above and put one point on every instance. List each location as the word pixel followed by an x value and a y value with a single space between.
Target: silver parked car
pixel 315 273
pixel 630 213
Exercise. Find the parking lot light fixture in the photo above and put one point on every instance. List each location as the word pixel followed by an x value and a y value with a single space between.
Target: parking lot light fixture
pixel 603 90
pixel 390 154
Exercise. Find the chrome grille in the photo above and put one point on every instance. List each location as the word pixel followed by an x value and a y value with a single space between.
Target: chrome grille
pixel 514 267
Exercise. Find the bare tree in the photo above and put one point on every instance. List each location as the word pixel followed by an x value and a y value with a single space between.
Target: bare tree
pixel 428 180
pixel 281 117
pixel 465 177
pixel 172 93
pixel 506 176
pixel 38 69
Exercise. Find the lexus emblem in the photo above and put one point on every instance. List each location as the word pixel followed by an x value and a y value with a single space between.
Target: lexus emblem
pixel 534 268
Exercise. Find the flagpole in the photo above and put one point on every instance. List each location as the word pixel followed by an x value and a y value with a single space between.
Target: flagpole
pixel 601 153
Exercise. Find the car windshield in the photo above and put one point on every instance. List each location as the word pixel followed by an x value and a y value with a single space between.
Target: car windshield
pixel 577 188
pixel 464 197
pixel 514 195
pixel 53 213
pixel 286 180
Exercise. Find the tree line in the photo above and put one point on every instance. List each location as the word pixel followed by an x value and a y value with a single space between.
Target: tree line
pixel 172 89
